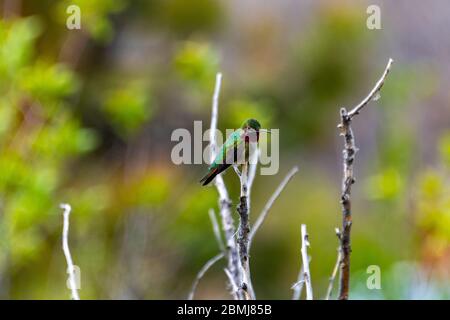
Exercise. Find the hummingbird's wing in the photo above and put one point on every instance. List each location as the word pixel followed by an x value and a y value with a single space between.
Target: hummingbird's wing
pixel 232 150
pixel 230 153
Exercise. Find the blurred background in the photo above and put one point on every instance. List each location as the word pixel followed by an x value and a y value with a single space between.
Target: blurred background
pixel 86 118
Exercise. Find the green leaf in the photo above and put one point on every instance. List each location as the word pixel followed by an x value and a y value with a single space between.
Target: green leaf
pixel 128 108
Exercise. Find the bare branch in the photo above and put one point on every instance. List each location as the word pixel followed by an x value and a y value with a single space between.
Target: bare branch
pixel 236 169
pixel 65 245
pixel 202 272
pixel 335 269
pixel 214 116
pixel 372 95
pixel 348 180
pixel 243 236
pixel 254 159
pixel 216 229
pixel 305 259
pixel 298 286
pixel 270 203
pixel 234 286
pixel 246 178
pixel 224 200
pixel 252 171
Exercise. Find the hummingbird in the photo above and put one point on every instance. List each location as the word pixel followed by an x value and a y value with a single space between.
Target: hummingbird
pixel 234 150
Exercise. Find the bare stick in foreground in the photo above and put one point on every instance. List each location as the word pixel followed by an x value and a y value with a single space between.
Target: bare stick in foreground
pixel 252 173
pixel 243 237
pixel 348 179
pixel 335 269
pixel 305 265
pixel 65 246
pixel 298 286
pixel 224 200
pixel 234 287
pixel 214 259
pixel 202 272
pixel 246 178
pixel 216 229
pixel 270 203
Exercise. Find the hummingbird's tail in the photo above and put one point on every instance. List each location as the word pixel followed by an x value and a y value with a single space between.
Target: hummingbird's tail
pixel 212 174
pixel 209 177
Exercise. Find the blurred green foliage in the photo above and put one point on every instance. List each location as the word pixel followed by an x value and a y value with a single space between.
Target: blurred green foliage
pixel 239 110
pixel 385 185
pixel 433 203
pixel 196 63
pixel 39 134
pixel 184 17
pixel 320 73
pixel 17 38
pixel 128 108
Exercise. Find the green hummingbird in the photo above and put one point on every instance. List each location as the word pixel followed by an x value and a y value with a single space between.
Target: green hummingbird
pixel 234 150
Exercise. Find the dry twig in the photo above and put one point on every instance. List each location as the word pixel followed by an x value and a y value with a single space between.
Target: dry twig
pixel 202 272
pixel 243 237
pixel 348 179
pixel 335 269
pixel 216 229
pixel 298 286
pixel 65 245
pixel 305 263
pixel 270 203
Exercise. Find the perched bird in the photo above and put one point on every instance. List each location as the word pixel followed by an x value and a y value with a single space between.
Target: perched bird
pixel 235 150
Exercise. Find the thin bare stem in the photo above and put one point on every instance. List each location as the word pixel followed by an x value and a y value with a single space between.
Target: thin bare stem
pixel 216 229
pixel 202 272
pixel 247 177
pixel 253 165
pixel 335 269
pixel 236 169
pixel 252 171
pixel 348 180
pixel 305 259
pixel 372 93
pixel 214 259
pixel 270 203
pixel 214 116
pixel 243 236
pixel 298 286
pixel 234 286
pixel 65 245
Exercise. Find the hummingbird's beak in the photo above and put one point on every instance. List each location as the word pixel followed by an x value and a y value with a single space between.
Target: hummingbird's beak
pixel 265 130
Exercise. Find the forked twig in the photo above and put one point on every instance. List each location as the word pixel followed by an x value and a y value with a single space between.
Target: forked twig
pixel 348 180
